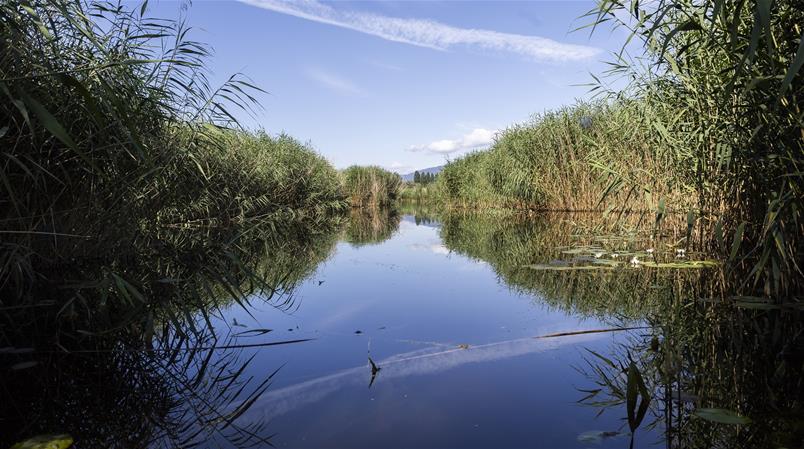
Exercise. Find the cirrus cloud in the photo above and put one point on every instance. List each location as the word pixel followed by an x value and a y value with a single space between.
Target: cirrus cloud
pixel 334 82
pixel 429 33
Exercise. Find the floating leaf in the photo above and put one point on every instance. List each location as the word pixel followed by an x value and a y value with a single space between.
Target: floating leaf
pixel 596 436
pixel 45 442
pixel 13 350
pixel 24 365
pixel 721 416
pixel 567 267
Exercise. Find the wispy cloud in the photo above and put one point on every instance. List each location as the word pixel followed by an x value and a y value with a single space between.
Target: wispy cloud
pixel 429 33
pixel 386 66
pixel 334 82
pixel 477 138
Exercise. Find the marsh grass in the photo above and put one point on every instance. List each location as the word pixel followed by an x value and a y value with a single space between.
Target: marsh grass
pixel 133 208
pixel 371 186
pixel 728 76
pixel 113 134
pixel 418 193
pixel 708 126
pixel 553 162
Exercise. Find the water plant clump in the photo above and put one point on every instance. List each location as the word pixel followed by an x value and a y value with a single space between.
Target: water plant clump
pixel 371 186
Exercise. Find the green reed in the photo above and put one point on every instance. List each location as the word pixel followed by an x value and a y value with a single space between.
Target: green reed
pixel 708 125
pixel 552 163
pixel 112 133
pixel 370 186
pixel 727 77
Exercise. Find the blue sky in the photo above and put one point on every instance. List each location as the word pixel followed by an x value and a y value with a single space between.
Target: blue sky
pixel 403 84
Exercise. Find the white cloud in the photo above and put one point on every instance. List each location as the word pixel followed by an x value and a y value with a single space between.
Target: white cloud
pixel 399 167
pixel 429 33
pixel 477 138
pixel 334 82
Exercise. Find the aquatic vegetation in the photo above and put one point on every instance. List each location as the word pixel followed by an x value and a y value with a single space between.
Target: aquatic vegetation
pixel 717 376
pixel 177 392
pixel 548 163
pixel 725 79
pixel 417 193
pixel 370 186
pixel 143 318
pixel 704 129
pixel 551 257
pixel 135 209
pixel 114 134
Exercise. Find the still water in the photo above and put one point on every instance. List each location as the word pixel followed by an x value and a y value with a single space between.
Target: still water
pixel 459 364
pixel 403 329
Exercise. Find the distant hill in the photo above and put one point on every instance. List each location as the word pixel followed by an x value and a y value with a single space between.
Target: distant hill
pixel 433 170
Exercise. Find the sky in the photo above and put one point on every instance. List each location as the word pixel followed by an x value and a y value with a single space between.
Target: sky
pixel 400 84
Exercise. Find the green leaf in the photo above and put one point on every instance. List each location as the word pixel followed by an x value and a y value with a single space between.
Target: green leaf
pixel 738 239
pixel 52 124
pixel 635 390
pixel 795 66
pixel 45 442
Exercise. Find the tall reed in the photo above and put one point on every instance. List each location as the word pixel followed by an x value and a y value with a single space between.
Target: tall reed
pixel 553 162
pixel 729 75
pixel 111 132
pixel 370 185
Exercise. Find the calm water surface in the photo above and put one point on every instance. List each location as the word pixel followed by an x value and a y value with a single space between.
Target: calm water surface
pixel 459 364
pixel 449 310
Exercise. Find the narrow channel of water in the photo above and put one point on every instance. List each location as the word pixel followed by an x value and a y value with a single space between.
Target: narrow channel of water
pixel 419 329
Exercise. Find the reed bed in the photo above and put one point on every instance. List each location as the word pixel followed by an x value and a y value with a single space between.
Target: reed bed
pixel 728 77
pixel 370 186
pixel 556 162
pixel 709 126
pixel 112 133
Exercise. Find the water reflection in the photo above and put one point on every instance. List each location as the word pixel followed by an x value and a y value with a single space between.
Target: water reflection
pixel 511 244
pixel 429 360
pixel 127 356
pixel 717 375
pixel 371 226
pixel 445 302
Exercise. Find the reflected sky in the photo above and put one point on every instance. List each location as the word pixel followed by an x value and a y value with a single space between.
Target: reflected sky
pixel 459 364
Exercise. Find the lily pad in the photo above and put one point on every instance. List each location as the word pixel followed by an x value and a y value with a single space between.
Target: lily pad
pixel 567 268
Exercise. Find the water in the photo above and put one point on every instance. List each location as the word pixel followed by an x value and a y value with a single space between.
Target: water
pixel 459 364
pixel 476 323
